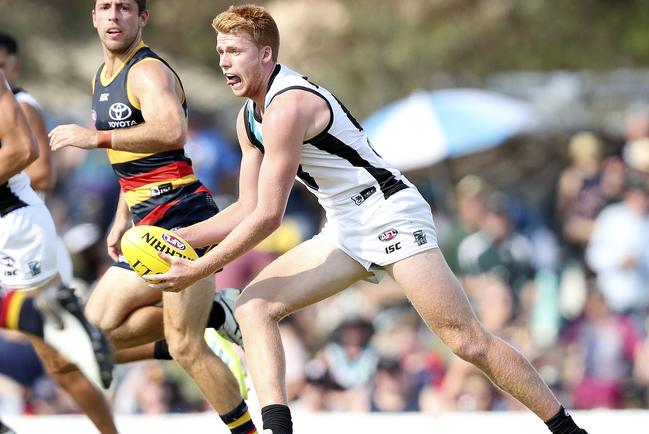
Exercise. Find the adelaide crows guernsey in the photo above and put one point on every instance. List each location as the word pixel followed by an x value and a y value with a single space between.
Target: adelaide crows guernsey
pixel 160 188
pixel 338 165
pixel 17 191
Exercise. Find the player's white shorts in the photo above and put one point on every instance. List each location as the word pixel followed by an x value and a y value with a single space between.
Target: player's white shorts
pixel 28 247
pixel 399 227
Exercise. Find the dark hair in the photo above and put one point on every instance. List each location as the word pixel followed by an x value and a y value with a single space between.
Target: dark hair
pixel 9 43
pixel 141 5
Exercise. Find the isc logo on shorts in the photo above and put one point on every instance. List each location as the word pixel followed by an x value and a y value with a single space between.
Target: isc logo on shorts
pixel 388 235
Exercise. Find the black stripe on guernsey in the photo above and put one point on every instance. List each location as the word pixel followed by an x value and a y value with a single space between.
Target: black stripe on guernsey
pixel 148 163
pixel 273 76
pixel 351 118
pixel 8 200
pixel 249 133
pixel 331 111
pixel 141 209
pixel 307 178
pixel 387 182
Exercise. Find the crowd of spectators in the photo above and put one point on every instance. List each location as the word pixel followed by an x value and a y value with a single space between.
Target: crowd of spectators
pixel 569 287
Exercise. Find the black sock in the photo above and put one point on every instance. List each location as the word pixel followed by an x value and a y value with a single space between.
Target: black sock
pixel 562 423
pixel 30 319
pixel 161 350
pixel 277 418
pixel 239 421
pixel 217 316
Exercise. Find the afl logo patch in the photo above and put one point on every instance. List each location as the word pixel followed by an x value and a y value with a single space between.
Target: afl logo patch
pixel 388 235
pixel 119 111
pixel 173 242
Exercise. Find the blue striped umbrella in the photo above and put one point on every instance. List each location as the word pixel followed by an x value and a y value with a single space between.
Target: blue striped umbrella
pixel 428 127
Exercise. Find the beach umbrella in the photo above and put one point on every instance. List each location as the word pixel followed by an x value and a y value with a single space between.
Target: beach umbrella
pixel 427 127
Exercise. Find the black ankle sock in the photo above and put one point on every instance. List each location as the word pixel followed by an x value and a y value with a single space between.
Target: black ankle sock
pixel 30 319
pixel 239 421
pixel 161 350
pixel 277 418
pixel 562 423
pixel 217 316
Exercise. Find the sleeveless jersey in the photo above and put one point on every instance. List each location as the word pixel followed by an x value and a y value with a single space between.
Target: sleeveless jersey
pixel 154 184
pixel 17 192
pixel 339 165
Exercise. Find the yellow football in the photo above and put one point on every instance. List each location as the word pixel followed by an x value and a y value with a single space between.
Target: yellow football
pixel 141 244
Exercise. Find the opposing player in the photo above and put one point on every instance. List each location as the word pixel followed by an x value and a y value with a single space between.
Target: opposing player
pixel 376 221
pixel 140 111
pixel 42 177
pixel 33 299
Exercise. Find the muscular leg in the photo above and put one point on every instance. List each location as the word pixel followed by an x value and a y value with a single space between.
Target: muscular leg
pixel 304 275
pixel 438 297
pixel 185 316
pixel 88 398
pixel 123 306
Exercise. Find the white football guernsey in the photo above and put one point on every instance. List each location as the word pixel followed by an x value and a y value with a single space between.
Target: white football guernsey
pixel 358 189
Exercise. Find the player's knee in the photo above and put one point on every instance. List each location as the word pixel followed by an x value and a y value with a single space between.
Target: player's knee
pixel 182 347
pixel 469 343
pixel 254 310
pixel 96 317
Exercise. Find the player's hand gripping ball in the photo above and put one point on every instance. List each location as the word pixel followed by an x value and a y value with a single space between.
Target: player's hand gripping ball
pixel 141 244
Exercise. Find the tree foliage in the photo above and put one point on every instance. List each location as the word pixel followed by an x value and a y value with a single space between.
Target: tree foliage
pixel 370 52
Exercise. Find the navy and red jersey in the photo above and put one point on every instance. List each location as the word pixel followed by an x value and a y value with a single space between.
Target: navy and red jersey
pixel 160 188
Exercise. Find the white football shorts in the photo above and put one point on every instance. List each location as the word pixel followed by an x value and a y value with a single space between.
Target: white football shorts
pixel 29 247
pixel 399 227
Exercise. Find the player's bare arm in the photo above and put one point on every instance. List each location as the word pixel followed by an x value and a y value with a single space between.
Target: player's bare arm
pixel 121 223
pixel 287 122
pixel 159 95
pixel 40 172
pixel 19 148
pixel 215 229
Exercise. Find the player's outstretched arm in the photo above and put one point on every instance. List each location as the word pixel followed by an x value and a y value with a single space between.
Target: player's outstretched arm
pixel 285 126
pixel 19 148
pixel 215 229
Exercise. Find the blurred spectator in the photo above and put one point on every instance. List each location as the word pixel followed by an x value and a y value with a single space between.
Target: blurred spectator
pixel 392 389
pixel 605 345
pixel 152 388
pixel 476 393
pixel 470 197
pixel 344 368
pixel 214 158
pixel 498 247
pixel 617 250
pixel 579 193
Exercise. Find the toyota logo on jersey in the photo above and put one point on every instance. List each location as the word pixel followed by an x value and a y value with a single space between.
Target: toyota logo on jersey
pixel 119 111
